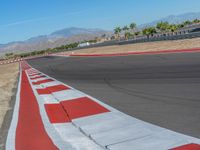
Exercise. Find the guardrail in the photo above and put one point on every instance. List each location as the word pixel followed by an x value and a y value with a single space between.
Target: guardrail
pixel 161 38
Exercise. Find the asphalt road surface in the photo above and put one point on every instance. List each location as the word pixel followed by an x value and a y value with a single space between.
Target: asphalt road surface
pixel 161 89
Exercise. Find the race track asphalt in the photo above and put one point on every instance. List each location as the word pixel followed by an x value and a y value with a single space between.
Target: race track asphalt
pixel 161 89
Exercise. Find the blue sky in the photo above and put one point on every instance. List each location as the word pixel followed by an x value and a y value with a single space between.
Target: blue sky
pixel 22 19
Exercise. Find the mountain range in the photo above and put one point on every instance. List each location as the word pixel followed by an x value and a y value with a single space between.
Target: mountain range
pixel 55 39
pixel 74 34
pixel 174 19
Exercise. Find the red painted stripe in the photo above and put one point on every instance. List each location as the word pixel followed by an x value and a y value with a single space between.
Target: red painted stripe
pixel 52 89
pixel 42 81
pixel 30 132
pixel 38 77
pixel 25 66
pixel 56 113
pixel 188 147
pixel 138 53
pixel 82 107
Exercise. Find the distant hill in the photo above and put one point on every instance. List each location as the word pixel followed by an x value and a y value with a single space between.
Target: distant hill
pixel 174 19
pixel 67 32
pixel 55 39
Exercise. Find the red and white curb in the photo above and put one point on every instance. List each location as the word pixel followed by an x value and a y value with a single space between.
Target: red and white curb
pixel 10 61
pixel 4 62
pixel 51 115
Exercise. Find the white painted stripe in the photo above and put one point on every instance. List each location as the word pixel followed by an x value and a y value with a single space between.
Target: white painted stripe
pixel 93 120
pixel 161 141
pixel 36 76
pixel 104 125
pixel 48 99
pixel 72 135
pixel 10 141
pixel 119 135
pixel 68 95
pixel 39 79
pixel 52 83
pixel 33 74
pixel 31 70
pixel 38 86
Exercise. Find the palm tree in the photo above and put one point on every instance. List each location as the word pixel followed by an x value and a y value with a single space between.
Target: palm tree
pixel 163 26
pixel 132 26
pixel 103 36
pixel 117 31
pixel 196 21
pixel 125 29
pixel 146 32
pixel 179 26
pixel 173 28
pixel 128 35
pixel 149 31
pixel 137 33
pixel 187 23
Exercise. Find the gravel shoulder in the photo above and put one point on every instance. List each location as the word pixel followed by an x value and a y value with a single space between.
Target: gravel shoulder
pixel 8 86
pixel 142 47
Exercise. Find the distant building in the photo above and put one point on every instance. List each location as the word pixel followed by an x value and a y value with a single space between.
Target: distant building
pixel 84 44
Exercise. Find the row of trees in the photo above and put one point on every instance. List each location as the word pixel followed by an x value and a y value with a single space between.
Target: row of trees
pixel 41 52
pixel 126 30
pixel 131 30
pixel 47 51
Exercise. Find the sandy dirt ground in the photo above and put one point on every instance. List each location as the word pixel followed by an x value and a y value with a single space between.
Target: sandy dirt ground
pixel 8 82
pixel 141 47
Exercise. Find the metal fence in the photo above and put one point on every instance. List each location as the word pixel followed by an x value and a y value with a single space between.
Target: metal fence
pixel 144 39
pixel 162 38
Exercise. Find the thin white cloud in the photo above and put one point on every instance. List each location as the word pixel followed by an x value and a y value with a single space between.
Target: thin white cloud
pixel 39 19
pixel 20 22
